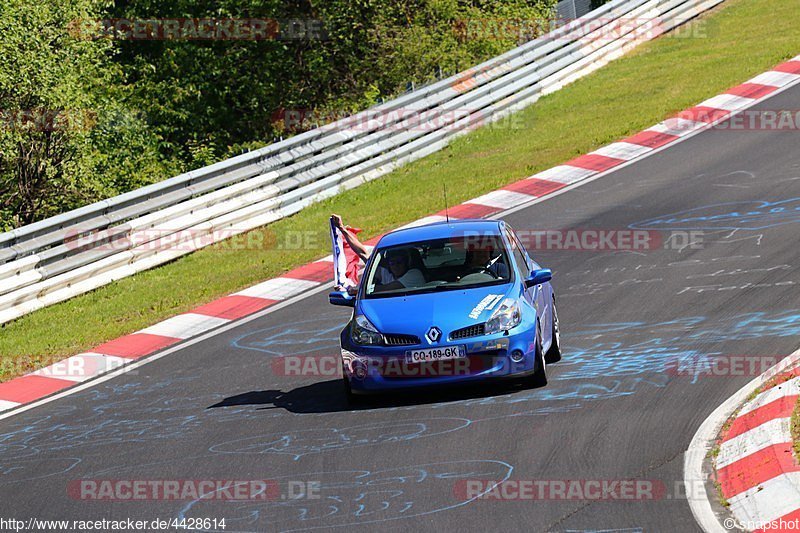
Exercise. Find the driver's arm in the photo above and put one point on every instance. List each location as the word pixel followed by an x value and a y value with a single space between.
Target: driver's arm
pixel 392 285
pixel 412 278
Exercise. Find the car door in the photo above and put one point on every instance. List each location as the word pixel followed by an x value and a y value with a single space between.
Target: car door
pixel 520 259
pixel 535 295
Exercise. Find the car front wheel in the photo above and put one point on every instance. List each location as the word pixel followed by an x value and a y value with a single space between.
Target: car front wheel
pixel 553 354
pixel 351 397
pixel 539 377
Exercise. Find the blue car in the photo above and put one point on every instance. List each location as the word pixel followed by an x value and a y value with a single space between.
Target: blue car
pixel 450 302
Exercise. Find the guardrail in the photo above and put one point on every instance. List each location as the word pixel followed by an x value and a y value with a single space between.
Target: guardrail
pixel 69 254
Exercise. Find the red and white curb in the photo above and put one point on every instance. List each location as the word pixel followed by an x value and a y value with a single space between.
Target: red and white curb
pixel 756 469
pixel 125 350
pixel 755 466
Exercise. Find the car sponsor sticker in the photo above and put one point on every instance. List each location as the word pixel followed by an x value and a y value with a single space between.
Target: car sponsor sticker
pixel 435 354
pixel 488 302
pixel 487 346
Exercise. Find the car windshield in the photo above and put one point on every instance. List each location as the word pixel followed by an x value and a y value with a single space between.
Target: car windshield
pixel 438 265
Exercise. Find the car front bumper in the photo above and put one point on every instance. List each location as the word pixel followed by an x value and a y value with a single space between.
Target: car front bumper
pixel 382 368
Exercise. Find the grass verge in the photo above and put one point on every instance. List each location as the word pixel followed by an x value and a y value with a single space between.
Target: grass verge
pixel 714 452
pixel 737 40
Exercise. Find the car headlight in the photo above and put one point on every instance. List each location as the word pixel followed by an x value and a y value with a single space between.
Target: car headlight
pixel 363 332
pixel 506 317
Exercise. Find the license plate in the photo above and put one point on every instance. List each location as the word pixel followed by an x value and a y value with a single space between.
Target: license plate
pixel 435 354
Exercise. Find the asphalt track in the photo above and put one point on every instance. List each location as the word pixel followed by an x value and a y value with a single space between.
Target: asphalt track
pixel 613 408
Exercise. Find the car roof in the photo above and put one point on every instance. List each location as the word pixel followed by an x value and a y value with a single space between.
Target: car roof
pixel 440 230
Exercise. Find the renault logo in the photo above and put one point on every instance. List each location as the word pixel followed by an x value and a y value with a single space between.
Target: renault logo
pixel 434 334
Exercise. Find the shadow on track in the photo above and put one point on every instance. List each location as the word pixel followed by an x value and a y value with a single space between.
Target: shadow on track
pixel 329 397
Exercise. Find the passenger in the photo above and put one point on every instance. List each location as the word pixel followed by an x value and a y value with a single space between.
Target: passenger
pixel 399 273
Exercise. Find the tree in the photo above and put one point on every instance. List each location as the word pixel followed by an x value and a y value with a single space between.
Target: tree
pixel 62 143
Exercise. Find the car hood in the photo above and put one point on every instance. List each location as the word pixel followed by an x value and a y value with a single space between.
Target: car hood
pixel 447 310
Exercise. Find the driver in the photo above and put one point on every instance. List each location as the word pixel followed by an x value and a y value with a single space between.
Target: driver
pixel 484 258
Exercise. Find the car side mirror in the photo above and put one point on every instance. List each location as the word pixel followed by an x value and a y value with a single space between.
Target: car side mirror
pixel 342 298
pixel 538 277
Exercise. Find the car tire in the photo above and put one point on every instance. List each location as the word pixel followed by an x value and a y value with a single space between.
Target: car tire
pixel 553 354
pixel 539 377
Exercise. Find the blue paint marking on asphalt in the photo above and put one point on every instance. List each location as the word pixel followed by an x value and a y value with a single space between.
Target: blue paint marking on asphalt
pixel 318 440
pixel 151 414
pixel 18 471
pixel 749 215
pixel 355 497
pixel 300 338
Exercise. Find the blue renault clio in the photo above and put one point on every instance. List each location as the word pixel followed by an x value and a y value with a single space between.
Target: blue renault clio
pixel 450 302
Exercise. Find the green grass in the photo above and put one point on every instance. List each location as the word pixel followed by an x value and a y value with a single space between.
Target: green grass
pixel 713 453
pixel 722 499
pixel 742 38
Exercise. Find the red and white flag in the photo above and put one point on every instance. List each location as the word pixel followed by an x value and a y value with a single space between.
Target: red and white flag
pixel 345 260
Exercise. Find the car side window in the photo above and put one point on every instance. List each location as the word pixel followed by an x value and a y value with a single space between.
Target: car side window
pixel 519 255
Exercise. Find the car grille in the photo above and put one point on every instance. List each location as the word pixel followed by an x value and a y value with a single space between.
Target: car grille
pixel 396 339
pixel 469 331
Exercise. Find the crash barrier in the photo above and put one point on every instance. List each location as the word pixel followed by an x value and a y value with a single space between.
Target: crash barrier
pixel 78 251
pixel 571 9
